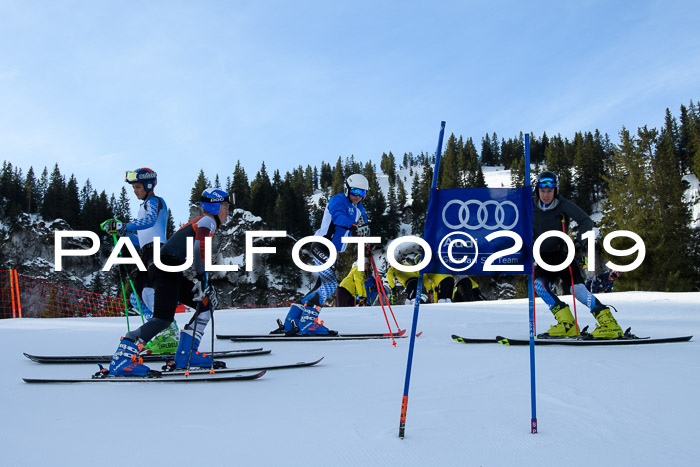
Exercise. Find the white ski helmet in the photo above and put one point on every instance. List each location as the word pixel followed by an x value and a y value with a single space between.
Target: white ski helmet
pixel 356 181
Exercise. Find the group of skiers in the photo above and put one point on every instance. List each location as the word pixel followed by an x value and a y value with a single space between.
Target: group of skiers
pixel 158 292
pixel 359 288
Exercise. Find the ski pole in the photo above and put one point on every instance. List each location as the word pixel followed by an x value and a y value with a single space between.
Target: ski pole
pixel 131 283
pixel 380 289
pixel 571 274
pixel 121 282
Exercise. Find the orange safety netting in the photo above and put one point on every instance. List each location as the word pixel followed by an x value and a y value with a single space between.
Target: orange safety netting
pixel 28 297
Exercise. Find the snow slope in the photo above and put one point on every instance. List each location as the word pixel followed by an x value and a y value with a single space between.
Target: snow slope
pixel 468 404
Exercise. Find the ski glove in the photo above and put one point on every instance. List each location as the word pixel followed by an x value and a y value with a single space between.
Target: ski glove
pixel 113 226
pixel 199 292
pixel 360 230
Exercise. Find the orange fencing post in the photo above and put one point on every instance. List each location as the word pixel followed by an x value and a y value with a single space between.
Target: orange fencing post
pixel 12 293
pixel 19 303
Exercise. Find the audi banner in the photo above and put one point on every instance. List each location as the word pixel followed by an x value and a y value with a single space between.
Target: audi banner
pixel 480 231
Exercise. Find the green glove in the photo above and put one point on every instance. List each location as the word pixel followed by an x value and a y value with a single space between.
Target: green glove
pixel 113 226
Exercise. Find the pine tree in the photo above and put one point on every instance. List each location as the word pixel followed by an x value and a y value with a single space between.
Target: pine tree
pixel 421 192
pixel 170 227
pixel 123 210
pixel 201 184
pixel 517 173
pixel 55 197
pixel 32 193
pixel 12 194
pixel 644 196
pixel 338 184
pixel 558 161
pixel 72 207
pixel 393 216
pixel 262 196
pixel 449 176
pixel 487 156
pixel 240 187
pixel 401 197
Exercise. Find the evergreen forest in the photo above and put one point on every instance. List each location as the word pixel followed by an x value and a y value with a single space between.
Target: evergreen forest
pixel 637 184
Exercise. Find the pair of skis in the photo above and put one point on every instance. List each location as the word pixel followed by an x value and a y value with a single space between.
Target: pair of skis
pixel 583 341
pixel 309 338
pixel 174 375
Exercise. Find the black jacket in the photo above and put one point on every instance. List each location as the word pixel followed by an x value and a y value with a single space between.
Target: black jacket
pixel 551 219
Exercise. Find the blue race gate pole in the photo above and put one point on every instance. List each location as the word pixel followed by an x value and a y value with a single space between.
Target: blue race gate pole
pixel 531 299
pixel 419 290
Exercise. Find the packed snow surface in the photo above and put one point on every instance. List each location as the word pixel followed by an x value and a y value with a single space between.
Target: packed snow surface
pixel 468 404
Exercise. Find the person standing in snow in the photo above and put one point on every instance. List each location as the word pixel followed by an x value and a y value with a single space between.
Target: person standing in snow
pixel 151 222
pixel 173 287
pixel 409 280
pixel 603 282
pixel 352 290
pixel 344 216
pixel 552 212
pixel 466 290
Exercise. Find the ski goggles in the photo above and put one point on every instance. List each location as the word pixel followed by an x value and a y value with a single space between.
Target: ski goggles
pixel 358 192
pixel 132 177
pixel 547 183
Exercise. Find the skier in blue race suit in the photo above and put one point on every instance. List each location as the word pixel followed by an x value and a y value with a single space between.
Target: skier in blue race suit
pixel 151 222
pixel 344 216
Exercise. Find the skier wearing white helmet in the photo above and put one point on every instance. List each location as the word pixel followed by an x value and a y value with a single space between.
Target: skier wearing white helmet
pixel 344 216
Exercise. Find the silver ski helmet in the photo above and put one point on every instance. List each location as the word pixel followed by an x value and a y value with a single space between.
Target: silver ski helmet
pixel 356 184
pixel 144 175
pixel 211 200
pixel 547 179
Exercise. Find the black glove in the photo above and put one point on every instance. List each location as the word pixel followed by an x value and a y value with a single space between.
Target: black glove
pixel 210 292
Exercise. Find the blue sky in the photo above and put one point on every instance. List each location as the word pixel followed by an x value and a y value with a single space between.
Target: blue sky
pixel 178 86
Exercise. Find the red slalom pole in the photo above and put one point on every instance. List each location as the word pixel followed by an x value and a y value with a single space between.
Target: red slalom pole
pixel 380 290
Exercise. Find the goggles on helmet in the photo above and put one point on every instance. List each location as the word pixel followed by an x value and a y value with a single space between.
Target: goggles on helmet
pixel 546 183
pixel 358 192
pixel 132 176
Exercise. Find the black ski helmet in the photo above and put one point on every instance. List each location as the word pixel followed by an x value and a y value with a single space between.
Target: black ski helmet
pixel 547 179
pixel 146 176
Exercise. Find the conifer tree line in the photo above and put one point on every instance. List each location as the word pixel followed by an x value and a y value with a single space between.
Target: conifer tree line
pixel 637 185
pixel 54 197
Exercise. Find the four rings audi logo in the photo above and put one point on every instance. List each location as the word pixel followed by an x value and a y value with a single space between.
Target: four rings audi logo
pixel 486 218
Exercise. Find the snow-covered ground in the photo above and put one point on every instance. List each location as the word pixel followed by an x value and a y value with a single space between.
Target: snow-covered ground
pixel 468 404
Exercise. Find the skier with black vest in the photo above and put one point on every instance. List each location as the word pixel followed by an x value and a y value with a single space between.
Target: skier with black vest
pixel 172 288
pixel 553 212
pixel 344 216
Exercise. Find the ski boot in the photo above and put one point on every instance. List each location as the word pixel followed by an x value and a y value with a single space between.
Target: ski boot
pixel 197 359
pixel 565 327
pixel 166 342
pixel 607 327
pixel 293 316
pixel 310 325
pixel 126 361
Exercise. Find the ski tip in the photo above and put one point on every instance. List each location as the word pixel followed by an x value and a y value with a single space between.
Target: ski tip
pixel 502 340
